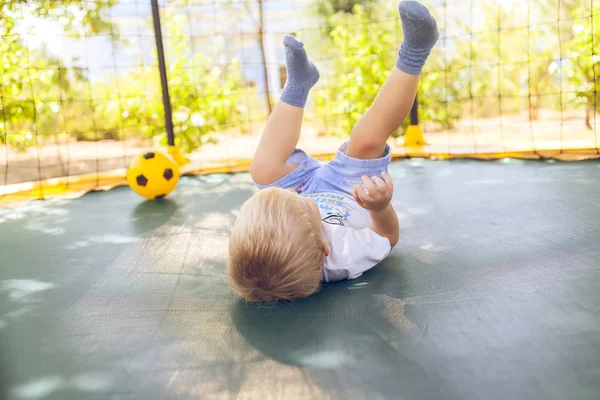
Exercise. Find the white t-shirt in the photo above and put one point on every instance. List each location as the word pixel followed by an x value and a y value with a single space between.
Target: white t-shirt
pixel 353 246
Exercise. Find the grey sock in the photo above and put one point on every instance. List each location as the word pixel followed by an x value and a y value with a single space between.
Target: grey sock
pixel 420 35
pixel 302 74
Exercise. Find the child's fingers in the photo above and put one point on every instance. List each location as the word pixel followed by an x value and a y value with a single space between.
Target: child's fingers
pixel 355 193
pixel 380 183
pixel 387 178
pixel 368 183
pixel 359 194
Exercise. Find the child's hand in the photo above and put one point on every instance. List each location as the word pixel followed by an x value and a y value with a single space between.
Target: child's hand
pixel 374 194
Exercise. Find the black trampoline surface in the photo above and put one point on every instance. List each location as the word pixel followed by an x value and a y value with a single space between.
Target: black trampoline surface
pixel 492 293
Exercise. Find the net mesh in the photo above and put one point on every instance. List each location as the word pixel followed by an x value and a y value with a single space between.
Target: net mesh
pixel 80 90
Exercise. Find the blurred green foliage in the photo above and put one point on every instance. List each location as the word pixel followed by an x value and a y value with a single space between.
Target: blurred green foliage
pixel 325 9
pixel 504 60
pixel 496 65
pixel 205 97
pixel 43 100
pixel 583 51
pixel 367 51
pixel 34 94
pixel 358 70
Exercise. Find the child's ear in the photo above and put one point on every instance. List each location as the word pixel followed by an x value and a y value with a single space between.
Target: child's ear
pixel 325 248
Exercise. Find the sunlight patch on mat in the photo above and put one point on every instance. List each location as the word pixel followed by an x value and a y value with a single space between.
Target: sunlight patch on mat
pixel 19 289
pixel 322 359
pixel 45 386
pixel 39 388
pixel 432 253
pixel 91 382
pixel 12 215
pixel 216 220
pixel 417 162
pixel 393 310
pixel 39 226
pixel 358 285
pixel 216 178
pixel 108 239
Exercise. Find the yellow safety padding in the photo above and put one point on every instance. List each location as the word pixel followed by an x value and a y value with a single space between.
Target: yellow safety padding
pixel 76 186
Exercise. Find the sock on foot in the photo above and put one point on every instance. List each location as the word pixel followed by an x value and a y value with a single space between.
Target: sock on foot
pixel 302 74
pixel 420 35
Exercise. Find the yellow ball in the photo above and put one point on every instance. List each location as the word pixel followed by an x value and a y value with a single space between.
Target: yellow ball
pixel 153 174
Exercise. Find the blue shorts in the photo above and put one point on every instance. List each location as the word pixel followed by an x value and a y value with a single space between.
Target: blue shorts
pixel 340 175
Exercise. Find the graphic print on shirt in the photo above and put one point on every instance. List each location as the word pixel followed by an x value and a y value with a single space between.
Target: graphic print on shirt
pixel 300 188
pixel 332 207
pixel 335 219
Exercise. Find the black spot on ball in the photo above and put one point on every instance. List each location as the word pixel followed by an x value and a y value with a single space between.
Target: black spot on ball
pixel 149 155
pixel 160 196
pixel 168 174
pixel 141 180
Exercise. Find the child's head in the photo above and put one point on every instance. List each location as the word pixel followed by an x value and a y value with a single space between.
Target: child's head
pixel 276 247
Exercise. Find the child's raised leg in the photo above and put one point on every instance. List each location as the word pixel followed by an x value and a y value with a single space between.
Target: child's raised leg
pixel 282 131
pixel 395 98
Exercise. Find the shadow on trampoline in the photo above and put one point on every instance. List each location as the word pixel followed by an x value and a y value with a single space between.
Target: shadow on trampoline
pixel 151 214
pixel 348 332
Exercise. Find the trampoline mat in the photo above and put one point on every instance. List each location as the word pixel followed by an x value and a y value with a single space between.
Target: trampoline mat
pixel 492 293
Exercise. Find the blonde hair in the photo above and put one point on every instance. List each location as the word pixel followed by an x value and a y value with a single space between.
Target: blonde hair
pixel 275 249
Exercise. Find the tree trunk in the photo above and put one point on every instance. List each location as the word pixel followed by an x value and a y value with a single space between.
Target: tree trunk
pixel 261 43
pixel 534 107
pixel 589 111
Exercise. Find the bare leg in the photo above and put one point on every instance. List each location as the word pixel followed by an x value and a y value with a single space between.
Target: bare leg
pixel 278 141
pixel 390 108
pixel 282 131
pixel 395 98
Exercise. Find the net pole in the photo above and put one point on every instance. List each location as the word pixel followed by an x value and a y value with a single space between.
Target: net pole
pixel 595 84
pixel 35 115
pixel 561 69
pixel 5 133
pixel 163 73
pixel 414 112
pixel 472 74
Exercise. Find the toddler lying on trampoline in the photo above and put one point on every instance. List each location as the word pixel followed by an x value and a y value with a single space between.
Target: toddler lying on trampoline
pixel 311 221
